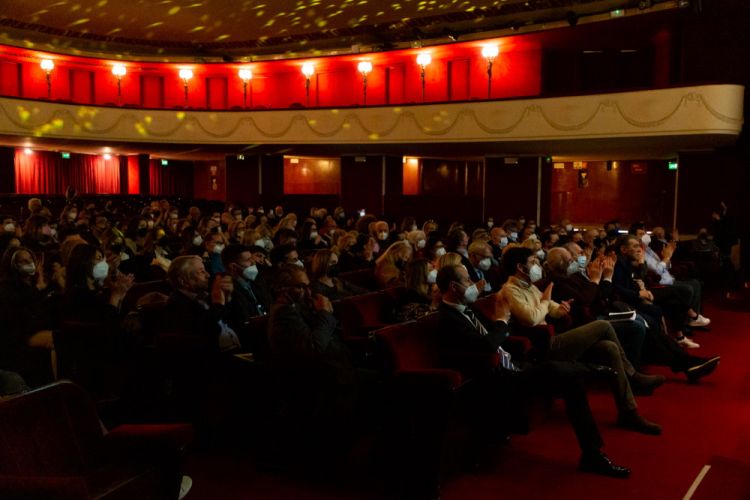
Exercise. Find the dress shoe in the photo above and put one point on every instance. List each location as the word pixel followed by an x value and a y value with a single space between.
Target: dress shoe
pixel 698 371
pixel 687 343
pixel 599 463
pixel 644 385
pixel 635 422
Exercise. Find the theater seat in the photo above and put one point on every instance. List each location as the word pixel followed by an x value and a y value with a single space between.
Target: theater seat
pixel 52 445
pixel 363 278
pixel 362 314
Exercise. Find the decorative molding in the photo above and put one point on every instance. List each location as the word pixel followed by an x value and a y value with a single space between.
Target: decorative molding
pixel 708 109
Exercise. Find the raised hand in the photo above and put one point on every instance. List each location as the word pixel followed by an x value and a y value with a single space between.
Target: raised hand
pixel 547 295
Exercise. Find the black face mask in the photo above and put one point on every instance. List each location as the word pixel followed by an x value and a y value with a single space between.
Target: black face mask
pixel 142 232
pixel 333 270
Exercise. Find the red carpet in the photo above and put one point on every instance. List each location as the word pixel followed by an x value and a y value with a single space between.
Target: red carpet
pixel 700 422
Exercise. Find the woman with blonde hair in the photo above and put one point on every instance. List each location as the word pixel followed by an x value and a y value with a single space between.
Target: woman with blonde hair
pixel 389 268
pixel 449 259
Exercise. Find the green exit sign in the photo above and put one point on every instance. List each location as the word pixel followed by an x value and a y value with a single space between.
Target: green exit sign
pixel 65 155
pixel 165 162
pixel 672 165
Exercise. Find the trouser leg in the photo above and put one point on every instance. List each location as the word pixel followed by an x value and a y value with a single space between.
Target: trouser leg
pixel 561 379
pixel 608 353
pixel 573 344
pixel 631 335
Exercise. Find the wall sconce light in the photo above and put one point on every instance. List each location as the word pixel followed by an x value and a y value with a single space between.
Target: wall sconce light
pixel 423 60
pixel 48 65
pixel 185 75
pixel 364 68
pixel 489 52
pixel 119 71
pixel 308 69
pixel 246 75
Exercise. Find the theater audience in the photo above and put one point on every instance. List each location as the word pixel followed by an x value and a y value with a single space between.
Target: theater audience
pixel 250 296
pixel 390 266
pixel 462 329
pixel 595 341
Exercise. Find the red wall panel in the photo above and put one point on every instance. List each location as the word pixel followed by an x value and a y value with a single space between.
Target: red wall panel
pixel 217 94
pixel 82 86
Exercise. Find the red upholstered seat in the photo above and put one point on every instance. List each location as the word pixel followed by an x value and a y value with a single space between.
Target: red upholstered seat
pixel 52 445
pixel 362 314
pixel 364 278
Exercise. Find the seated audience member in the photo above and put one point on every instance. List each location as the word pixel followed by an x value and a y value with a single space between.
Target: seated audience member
pixel 419 299
pixel 449 259
pixel 592 297
pixel 37 234
pixel 418 242
pixel 480 268
pixel 462 329
pixel 458 241
pixel 285 254
pixel 429 227
pixel 214 244
pixel 285 236
pixel 595 341
pixel 434 250
pixel 660 263
pixel 362 254
pixel 628 280
pixel 498 241
pixel 307 350
pixel 324 273
pixel 250 298
pixel 310 238
pixel 389 268
pixel 24 306
pixel 380 232
pixel 197 310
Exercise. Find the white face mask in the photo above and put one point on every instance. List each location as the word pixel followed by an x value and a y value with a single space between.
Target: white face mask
pixel 421 243
pixel 471 294
pixel 198 240
pixel 540 254
pixel 218 248
pixel 124 256
pixel 383 235
pixel 414 227
pixel 485 264
pixel 432 276
pixel 100 271
pixel 573 268
pixel 503 242
pixel 513 235
pixel 535 273
pixel 313 235
pixel 582 261
pixel 440 251
pixel 250 272
pixel 260 243
pixel 646 239
pixel 150 224
pixel 569 227
pixel 299 264
pixel 29 269
pixel 9 227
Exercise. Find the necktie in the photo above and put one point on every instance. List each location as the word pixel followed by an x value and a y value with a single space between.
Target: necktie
pixel 478 326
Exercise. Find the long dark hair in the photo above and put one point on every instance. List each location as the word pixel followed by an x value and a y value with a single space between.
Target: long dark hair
pixel 80 267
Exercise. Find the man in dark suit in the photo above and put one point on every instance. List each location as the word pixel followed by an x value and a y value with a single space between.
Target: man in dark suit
pixel 462 329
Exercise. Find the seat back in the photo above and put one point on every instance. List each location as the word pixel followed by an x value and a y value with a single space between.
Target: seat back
pixel 53 430
pixel 138 290
pixel 361 314
pixel 363 278
pixel 411 346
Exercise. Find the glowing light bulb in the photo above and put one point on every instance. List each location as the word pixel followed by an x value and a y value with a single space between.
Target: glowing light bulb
pixel 245 74
pixel 119 70
pixel 364 67
pixel 186 74
pixel 28 151
pixel 47 65
pixel 424 59
pixel 107 156
pixel 490 51
pixel 308 69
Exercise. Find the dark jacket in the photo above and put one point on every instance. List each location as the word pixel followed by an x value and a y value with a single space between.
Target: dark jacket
pixel 456 332
pixel 184 316
pixel 591 300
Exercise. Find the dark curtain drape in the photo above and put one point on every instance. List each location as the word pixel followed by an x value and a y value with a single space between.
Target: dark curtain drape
pixel 174 179
pixel 46 172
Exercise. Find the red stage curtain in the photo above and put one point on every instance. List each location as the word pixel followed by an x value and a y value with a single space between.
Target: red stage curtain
pixel 134 173
pixel 46 172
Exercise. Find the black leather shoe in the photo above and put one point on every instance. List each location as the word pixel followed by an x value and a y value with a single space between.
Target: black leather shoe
pixel 635 422
pixel 599 463
pixel 697 372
